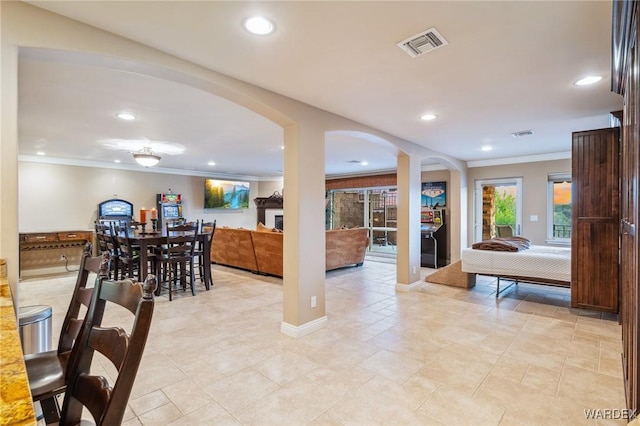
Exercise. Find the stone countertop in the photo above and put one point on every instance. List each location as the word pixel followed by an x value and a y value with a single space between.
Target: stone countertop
pixel 16 406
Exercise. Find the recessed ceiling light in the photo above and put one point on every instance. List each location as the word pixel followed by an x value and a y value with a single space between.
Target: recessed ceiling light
pixel 259 26
pixel 588 80
pixel 116 161
pixel 126 116
pixel 428 117
pixel 486 148
pixel 364 163
pixel 40 153
pixel 211 163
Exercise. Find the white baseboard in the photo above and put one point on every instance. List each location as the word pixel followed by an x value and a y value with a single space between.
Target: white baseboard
pixel 408 287
pixel 304 329
pixel 54 270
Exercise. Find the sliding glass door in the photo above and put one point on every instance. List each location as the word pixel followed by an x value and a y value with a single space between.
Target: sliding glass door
pixel 375 209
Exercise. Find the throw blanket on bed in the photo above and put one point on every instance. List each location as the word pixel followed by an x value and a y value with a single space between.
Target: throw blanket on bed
pixel 503 244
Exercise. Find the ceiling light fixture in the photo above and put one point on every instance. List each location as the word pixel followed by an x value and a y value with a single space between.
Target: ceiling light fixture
pixel 146 157
pixel 126 116
pixel 259 26
pixel 428 117
pixel 211 163
pixel 588 80
pixel 40 153
pixel 486 148
pixel 364 163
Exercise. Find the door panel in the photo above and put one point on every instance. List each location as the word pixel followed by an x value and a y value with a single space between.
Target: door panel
pixel 596 220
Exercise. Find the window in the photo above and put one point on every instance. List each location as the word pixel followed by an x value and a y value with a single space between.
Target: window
pixel 559 211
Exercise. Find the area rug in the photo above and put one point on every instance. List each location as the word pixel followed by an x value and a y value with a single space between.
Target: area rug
pixel 452 275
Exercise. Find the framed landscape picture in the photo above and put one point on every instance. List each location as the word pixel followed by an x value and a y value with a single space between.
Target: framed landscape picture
pixel 434 194
pixel 224 194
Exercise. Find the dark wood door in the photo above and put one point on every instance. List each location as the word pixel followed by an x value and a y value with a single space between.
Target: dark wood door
pixel 625 80
pixel 629 301
pixel 596 220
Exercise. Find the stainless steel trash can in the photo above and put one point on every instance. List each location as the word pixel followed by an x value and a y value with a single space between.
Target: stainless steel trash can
pixel 35 328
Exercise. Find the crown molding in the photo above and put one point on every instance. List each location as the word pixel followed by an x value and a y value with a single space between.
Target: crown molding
pixel 137 168
pixel 524 159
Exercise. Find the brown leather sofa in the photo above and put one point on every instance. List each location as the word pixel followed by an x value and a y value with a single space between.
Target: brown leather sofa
pixel 233 247
pixel 261 252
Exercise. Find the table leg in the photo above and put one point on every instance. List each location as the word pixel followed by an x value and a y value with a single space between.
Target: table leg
pixel 144 271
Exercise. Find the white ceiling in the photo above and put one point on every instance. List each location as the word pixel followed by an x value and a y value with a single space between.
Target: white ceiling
pixel 509 66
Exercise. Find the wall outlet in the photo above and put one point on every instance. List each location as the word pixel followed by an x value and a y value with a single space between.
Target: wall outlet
pixel 415 270
pixel 314 302
pixel 63 257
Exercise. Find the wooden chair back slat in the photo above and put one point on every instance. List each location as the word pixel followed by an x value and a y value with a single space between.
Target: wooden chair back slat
pixel 110 342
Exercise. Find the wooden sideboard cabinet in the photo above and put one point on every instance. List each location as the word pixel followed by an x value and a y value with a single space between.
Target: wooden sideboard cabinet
pixel 44 253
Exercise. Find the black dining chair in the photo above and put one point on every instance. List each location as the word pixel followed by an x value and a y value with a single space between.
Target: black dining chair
pixel 106 402
pixel 204 259
pixel 130 254
pixel 175 259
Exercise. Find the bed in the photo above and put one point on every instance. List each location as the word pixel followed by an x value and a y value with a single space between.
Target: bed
pixel 537 265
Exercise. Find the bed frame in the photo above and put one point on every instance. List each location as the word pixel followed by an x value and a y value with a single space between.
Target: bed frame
pixel 551 264
pixel 527 280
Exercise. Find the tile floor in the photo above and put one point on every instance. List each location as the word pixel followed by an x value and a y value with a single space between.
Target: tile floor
pixel 435 356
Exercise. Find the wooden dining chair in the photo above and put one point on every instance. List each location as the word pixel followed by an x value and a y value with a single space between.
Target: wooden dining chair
pixel 130 254
pixel 46 370
pixel 106 402
pixel 111 237
pixel 175 259
pixel 101 236
pixel 204 259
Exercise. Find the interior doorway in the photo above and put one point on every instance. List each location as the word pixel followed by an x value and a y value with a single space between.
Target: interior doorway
pixel 498 208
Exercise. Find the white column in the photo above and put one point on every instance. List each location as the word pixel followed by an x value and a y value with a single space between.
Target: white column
pixel 304 233
pixel 457 213
pixel 9 164
pixel 408 256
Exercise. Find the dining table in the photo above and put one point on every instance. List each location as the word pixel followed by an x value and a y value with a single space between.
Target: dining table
pixel 147 240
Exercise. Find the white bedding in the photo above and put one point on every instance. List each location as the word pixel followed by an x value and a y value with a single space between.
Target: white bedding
pixel 551 263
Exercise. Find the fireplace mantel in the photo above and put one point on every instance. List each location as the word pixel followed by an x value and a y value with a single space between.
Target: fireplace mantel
pixel 274 201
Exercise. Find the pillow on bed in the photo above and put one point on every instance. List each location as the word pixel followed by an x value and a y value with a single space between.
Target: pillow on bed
pixel 520 241
pixel 503 244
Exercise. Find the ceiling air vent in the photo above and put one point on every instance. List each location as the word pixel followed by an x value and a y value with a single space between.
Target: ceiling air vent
pixel 422 43
pixel 522 133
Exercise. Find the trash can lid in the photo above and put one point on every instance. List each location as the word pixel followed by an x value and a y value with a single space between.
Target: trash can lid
pixel 34 313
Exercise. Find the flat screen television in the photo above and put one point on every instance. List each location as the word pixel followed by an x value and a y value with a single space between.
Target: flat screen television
pixel 224 194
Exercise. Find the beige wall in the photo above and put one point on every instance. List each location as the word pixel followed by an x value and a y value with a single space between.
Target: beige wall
pixel 55 197
pixel 534 192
